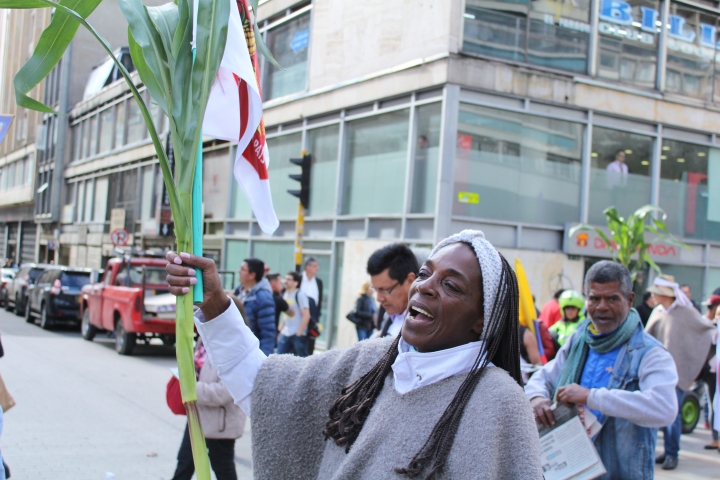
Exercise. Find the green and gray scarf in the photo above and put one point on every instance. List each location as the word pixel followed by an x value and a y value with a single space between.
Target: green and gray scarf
pixel 587 339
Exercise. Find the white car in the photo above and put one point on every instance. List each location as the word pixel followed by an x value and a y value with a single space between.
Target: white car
pixel 6 275
pixel 162 306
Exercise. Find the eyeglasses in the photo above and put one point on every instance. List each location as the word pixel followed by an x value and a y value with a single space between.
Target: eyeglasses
pixel 385 291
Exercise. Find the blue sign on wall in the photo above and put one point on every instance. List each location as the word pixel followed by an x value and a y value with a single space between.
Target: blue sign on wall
pixel 5 121
pixel 300 40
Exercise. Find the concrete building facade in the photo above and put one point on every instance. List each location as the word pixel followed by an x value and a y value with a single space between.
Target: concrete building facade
pixel 424 118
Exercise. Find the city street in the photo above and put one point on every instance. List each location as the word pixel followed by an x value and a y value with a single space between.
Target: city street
pixel 85 412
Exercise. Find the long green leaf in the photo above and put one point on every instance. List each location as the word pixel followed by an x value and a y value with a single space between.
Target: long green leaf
pixel 50 48
pixel 166 19
pixel 147 37
pixel 262 48
pixel 211 35
pixel 22 4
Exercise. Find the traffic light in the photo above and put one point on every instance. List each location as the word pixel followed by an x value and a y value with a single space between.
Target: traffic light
pixel 304 178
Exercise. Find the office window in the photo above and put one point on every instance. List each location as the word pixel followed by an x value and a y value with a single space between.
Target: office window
pixel 89 200
pixel 107 123
pixel 691 51
pixel 539 32
pixel 77 141
pixel 619 173
pixel 376 159
pixel 80 201
pixel 690 189
pixel 282 149
pixel 135 124
pixel 288 43
pixel 147 204
pixel 425 158
pixel 101 197
pixel 93 143
pixel 157 114
pixel 322 143
pixel 516 167
pixel 628 44
pixel 120 124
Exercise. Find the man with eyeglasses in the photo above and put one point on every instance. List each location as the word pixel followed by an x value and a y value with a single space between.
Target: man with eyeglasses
pixel 392 270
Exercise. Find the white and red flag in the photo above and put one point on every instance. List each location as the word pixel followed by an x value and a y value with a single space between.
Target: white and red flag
pixel 234 113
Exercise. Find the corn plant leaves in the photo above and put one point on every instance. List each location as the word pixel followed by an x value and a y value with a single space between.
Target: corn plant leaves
pixel 211 35
pixel 50 48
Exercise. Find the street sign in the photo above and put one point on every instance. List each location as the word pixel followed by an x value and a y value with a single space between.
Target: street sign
pixel 5 121
pixel 119 237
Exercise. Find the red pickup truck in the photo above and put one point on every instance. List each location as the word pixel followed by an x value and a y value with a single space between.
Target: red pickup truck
pixel 132 301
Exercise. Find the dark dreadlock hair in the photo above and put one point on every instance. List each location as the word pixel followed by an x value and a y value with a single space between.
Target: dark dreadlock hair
pixel 501 347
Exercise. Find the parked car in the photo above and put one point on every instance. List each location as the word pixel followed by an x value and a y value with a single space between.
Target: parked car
pixel 55 297
pixel 17 289
pixel 7 275
pixel 132 300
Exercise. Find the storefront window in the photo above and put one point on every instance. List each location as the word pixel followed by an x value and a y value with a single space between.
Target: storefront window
pixel 322 143
pixel 516 167
pixel 282 149
pixel 288 43
pixel 106 130
pixel 691 51
pixel 620 172
pixel 425 158
pixel 375 165
pixel 544 32
pixel 235 252
pixel 690 189
pixel 628 41
pixel 279 257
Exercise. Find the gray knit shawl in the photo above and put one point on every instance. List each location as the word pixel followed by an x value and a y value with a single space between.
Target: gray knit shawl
pixel 497 437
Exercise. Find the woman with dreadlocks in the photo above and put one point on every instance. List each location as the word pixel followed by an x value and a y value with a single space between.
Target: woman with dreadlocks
pixel 441 400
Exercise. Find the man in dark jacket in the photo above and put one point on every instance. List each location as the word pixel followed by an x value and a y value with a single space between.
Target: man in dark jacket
pixel 257 297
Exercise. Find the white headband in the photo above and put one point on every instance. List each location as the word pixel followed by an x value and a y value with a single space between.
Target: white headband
pixel 490 263
pixel 680 297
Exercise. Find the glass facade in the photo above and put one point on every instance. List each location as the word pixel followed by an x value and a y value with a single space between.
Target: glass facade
pixel 375 167
pixel 516 167
pixel 288 43
pixel 689 196
pixel 544 32
pixel 629 40
pixel 323 144
pixel 282 149
pixel 426 157
pixel 619 173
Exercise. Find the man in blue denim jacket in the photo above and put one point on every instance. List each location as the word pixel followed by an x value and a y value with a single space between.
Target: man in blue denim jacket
pixel 622 374
pixel 257 298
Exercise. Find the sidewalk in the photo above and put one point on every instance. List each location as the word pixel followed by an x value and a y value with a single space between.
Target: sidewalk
pixel 695 463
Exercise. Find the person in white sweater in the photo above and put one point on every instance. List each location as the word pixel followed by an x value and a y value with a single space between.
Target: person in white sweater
pixel 442 399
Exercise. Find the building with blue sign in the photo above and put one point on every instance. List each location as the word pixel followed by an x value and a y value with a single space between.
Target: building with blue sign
pixel 423 118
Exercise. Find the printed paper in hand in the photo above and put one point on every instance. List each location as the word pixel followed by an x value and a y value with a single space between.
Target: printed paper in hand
pixel 566 449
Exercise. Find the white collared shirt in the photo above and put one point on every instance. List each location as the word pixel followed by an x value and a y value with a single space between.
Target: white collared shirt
pixel 413 369
pixel 235 351
pixel 310 288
